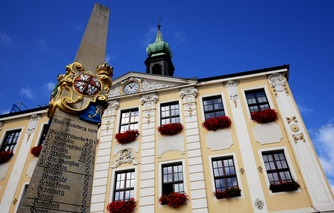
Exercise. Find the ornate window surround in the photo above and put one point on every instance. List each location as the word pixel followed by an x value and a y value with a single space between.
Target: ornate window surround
pixel 119 114
pixel 171 101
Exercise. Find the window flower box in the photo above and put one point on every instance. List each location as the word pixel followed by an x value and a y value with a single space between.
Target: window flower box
pixel 228 193
pixel 36 150
pixel 285 186
pixel 174 199
pixel 127 136
pixel 170 129
pixel 5 156
pixel 119 206
pixel 213 124
pixel 264 116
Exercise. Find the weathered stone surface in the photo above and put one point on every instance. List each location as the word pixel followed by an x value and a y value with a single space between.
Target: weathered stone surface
pixel 62 180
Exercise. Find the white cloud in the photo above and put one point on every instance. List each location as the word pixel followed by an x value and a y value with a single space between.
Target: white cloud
pixel 5 111
pixel 149 36
pixel 6 40
pixel 110 57
pixel 27 92
pixel 179 37
pixel 304 110
pixel 49 86
pixel 324 142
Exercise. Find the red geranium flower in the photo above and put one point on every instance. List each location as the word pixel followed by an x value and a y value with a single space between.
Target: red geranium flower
pixel 127 136
pixel 264 116
pixel 227 193
pixel 36 150
pixel 170 129
pixel 122 206
pixel 174 199
pixel 284 186
pixel 5 156
pixel 212 124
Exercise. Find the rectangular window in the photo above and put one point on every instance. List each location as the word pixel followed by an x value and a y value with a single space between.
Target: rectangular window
pixel 22 195
pixel 257 100
pixel 172 178
pixel 124 185
pixel 10 140
pixel 224 173
pixel 170 113
pixel 43 135
pixel 213 107
pixel 276 167
pixel 129 120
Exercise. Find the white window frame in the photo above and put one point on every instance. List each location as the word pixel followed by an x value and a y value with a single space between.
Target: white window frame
pixel 119 114
pixel 21 198
pixel 233 155
pixel 288 160
pixel 113 178
pixel 40 132
pixel 184 175
pixel 11 129
pixel 266 91
pixel 170 101
pixel 222 95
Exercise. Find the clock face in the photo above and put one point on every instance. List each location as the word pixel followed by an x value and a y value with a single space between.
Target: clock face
pixel 131 88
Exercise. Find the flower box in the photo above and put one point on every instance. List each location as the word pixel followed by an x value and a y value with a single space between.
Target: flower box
pixel 174 199
pixel 228 193
pixel 5 156
pixel 170 129
pixel 36 150
pixel 213 124
pixel 285 186
pixel 264 116
pixel 122 206
pixel 127 136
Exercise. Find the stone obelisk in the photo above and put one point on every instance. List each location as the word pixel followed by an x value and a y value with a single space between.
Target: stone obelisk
pixel 62 180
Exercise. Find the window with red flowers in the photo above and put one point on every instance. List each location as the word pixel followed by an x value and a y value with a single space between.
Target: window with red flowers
pixel 277 167
pixel 170 113
pixel 172 178
pixel 213 107
pixel 129 120
pixel 224 173
pixel 10 140
pixel 124 185
pixel 257 100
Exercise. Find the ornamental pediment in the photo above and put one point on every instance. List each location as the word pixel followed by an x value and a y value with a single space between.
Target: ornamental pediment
pixel 141 83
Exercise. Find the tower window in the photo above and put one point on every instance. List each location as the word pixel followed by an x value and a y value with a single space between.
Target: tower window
pixel 156 69
pixel 124 185
pixel 224 173
pixel 172 178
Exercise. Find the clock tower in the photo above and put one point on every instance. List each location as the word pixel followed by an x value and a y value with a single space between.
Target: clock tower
pixel 159 60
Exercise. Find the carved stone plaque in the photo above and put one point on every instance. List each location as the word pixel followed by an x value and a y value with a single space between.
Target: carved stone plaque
pixel 63 175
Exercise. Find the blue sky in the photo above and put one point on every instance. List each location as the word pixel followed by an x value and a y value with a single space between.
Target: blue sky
pixel 39 38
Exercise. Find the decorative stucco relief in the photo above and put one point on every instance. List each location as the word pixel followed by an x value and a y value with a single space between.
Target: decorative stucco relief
pixel 295 129
pixel 267 133
pixel 148 102
pixel 219 139
pixel 189 100
pixel 31 167
pixel 259 203
pixel 233 91
pixel 3 170
pixel 170 143
pixel 125 156
pixel 32 125
pixel 278 83
pixel 109 114
pixel 146 85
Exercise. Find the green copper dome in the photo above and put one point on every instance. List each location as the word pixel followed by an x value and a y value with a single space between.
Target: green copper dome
pixel 159 47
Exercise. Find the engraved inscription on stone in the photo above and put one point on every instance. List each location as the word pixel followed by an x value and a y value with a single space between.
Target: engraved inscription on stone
pixel 64 171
